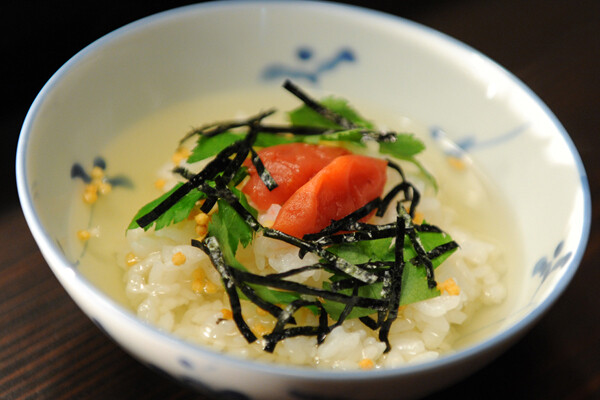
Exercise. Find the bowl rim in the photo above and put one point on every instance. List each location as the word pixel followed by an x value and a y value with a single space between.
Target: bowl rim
pixel 63 268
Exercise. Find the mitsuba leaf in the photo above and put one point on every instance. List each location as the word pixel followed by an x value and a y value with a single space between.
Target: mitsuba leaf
pixel 414 277
pixel 208 146
pixel 405 147
pixel 306 116
pixel 180 211
pixel 230 229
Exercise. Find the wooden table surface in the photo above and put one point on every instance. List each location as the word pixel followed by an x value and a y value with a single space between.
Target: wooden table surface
pixel 50 350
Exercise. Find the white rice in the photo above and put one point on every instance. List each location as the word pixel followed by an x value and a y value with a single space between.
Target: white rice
pixel 161 293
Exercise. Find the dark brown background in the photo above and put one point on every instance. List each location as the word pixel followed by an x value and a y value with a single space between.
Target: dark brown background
pixel 50 350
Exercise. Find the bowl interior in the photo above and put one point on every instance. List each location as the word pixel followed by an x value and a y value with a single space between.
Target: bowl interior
pixel 454 93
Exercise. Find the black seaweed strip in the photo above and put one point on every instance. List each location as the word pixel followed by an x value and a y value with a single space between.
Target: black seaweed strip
pixel 414 201
pixel 316 106
pixel 387 291
pixel 427 228
pixel 209 172
pixel 396 167
pixel 295 271
pixel 436 252
pixel 396 280
pixel 284 318
pixel 226 194
pixel 382 137
pixel 422 255
pixel 333 261
pixel 183 172
pixel 231 169
pixel 401 187
pixel 260 302
pixel 376 267
pixel 273 339
pixel 208 204
pixel 279 332
pixel 264 175
pixel 294 129
pixel 347 309
pixel 346 223
pixel 369 322
pixel 217 128
pixel 212 249
pixel 365 302
pixel 357 236
pixel 323 329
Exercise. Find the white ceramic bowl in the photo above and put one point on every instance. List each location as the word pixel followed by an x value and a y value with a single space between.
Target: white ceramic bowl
pixel 216 47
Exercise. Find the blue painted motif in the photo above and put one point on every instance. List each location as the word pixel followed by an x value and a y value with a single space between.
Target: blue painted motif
pixel 186 364
pixel 544 267
pixel 458 148
pixel 306 67
pixel 77 171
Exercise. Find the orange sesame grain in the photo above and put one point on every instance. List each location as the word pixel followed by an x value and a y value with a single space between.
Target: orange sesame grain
pixel 90 197
pixel 202 218
pixel 259 329
pixel 131 259
pixel 366 363
pixel 180 155
pixel 97 173
pixel 201 230
pixel 160 183
pixel 178 258
pixel 210 288
pixel 198 285
pixel 457 163
pixel 418 218
pixel 449 286
pixel 198 273
pixel 261 312
pixel 83 235
pixel 227 314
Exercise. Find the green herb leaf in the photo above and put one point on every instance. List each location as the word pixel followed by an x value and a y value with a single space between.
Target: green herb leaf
pixel 230 229
pixel 209 146
pixel 414 278
pixel 405 147
pixel 175 214
pixel 305 116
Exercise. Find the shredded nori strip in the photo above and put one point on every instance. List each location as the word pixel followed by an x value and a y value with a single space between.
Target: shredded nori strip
pixel 218 128
pixel 226 171
pixel 422 255
pixel 212 249
pixel 316 106
pixel 393 292
pixel 279 332
pixel 262 172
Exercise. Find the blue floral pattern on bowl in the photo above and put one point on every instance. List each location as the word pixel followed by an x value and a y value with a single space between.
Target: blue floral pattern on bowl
pixel 545 266
pixel 307 67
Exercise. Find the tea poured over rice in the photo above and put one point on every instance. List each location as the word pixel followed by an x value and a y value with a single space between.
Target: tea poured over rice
pixel 188 299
